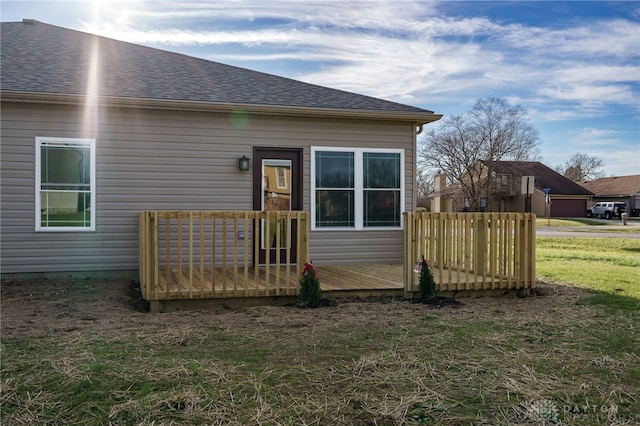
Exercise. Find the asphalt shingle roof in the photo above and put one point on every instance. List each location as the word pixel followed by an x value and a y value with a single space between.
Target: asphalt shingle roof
pixel 545 177
pixel 620 186
pixel 42 58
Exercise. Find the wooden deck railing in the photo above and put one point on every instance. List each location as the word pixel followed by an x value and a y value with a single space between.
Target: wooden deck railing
pixel 212 254
pixel 471 251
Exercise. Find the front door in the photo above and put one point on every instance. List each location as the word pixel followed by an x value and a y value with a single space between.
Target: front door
pixel 277 186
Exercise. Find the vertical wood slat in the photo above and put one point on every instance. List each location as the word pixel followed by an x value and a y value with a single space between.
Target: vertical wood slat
pixel 190 289
pixel 305 243
pixel 277 249
pixel 509 264
pixel 516 251
pixel 301 258
pixel 267 231
pixel 287 253
pixel 461 249
pixel 167 244
pixel 179 243
pixel 224 254
pixel 256 250
pixel 246 256
pixel 235 255
pixel 213 252
pixel 144 248
pixel 155 238
pixel 493 247
pixel 468 255
pixel 201 282
pixel 532 252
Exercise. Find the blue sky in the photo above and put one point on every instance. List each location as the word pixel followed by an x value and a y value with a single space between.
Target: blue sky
pixel 575 66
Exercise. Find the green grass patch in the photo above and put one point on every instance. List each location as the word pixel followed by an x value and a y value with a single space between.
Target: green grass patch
pixel 610 267
pixel 542 222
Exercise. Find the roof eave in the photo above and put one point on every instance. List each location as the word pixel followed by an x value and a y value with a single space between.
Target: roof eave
pixel 418 118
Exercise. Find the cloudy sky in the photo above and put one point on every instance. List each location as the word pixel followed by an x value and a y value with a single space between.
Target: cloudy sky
pixel 574 66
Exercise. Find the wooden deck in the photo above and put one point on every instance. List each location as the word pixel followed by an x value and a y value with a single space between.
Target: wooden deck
pixel 200 256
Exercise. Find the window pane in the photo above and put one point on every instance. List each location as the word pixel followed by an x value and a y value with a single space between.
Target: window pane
pixel 382 208
pixel 381 170
pixel 65 209
pixel 334 169
pixel 335 208
pixel 65 164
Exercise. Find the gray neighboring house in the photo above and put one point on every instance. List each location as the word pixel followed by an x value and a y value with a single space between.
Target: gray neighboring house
pixel 96 130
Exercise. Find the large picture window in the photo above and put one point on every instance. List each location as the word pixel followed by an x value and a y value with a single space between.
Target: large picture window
pixel 357 188
pixel 65 184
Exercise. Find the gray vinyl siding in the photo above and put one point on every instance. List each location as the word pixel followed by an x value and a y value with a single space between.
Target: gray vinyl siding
pixel 164 160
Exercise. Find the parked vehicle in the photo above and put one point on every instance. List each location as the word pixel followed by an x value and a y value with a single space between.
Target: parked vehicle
pixel 607 209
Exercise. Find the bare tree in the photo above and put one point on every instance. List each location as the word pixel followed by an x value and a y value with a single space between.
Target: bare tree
pixel 424 187
pixel 464 146
pixel 582 167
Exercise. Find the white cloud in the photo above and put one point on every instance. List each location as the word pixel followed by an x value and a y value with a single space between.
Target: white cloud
pixel 404 52
pixel 408 51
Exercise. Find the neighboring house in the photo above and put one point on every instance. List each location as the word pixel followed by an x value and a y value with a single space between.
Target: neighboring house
pixel 96 130
pixel 504 191
pixel 621 188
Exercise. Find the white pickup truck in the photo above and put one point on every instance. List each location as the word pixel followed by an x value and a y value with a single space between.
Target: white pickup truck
pixel 607 209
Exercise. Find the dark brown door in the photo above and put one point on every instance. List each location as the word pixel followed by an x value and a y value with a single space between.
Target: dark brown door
pixel 277 186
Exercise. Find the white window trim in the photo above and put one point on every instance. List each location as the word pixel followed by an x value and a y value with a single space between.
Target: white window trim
pixel 358 188
pixel 91 143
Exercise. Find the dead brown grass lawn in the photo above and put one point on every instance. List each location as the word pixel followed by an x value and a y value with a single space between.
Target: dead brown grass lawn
pixel 86 352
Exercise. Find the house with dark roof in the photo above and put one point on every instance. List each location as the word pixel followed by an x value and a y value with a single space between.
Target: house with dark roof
pixel 624 189
pixel 96 130
pixel 551 194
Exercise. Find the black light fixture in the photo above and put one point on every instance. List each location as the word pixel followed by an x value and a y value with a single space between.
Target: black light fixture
pixel 243 164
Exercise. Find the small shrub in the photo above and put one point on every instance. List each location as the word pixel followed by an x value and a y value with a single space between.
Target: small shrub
pixel 310 293
pixel 427 283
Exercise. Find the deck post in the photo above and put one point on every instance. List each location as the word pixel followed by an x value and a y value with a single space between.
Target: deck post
pixel 156 306
pixel 408 253
pixel 532 250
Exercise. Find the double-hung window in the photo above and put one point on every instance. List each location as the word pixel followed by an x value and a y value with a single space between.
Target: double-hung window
pixel 65 184
pixel 357 188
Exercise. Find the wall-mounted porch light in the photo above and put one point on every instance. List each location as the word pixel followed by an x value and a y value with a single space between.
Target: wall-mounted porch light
pixel 243 164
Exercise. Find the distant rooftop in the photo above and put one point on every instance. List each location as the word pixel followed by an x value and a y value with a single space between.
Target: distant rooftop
pixel 620 186
pixel 545 177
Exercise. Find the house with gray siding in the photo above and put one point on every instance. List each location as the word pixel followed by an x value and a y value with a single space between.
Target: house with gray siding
pixel 95 130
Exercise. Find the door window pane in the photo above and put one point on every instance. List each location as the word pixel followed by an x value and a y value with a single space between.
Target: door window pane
pixel 276 196
pixel 276 191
